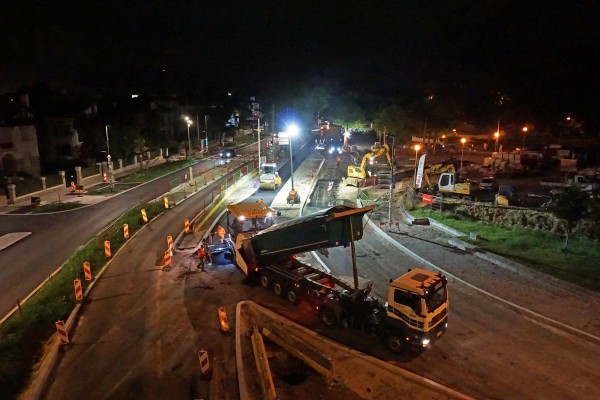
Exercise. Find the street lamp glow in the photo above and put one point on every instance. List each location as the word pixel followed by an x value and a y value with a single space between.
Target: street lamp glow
pixel 463 141
pixel 189 123
pixel 497 136
pixel 417 148
pixel 292 130
pixel 525 129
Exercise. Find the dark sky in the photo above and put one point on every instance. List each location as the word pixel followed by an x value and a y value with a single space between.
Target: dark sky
pixel 543 48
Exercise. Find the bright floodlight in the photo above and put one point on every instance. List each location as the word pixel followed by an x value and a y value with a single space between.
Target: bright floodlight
pixel 292 129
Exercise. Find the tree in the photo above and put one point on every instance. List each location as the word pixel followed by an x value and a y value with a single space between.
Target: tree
pixel 395 121
pixel 571 206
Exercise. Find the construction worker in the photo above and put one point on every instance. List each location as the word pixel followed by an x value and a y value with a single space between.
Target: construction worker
pixel 338 160
pixel 221 233
pixel 201 257
pixel 277 182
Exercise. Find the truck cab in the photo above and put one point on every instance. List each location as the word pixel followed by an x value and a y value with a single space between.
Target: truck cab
pixel 417 304
pixel 448 184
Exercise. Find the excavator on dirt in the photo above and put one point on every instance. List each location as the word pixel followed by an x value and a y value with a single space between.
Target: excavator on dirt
pixel 368 166
pixel 448 182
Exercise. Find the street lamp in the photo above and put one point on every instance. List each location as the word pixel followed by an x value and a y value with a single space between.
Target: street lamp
pixel 417 148
pixel 463 141
pixel 292 130
pixel 108 162
pixel 391 184
pixel 525 129
pixel 497 136
pixel 206 132
pixel 189 123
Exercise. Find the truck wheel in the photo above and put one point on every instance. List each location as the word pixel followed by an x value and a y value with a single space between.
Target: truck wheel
pixel 278 288
pixel 292 296
pixel 327 317
pixel 265 280
pixel 395 342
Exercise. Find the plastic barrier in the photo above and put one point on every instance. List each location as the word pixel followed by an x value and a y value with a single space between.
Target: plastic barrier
pixel 87 271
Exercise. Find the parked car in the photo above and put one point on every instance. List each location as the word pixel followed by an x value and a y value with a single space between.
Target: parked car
pixel 488 183
pixel 227 153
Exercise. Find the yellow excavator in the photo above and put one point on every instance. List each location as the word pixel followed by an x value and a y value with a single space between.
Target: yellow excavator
pixel 448 181
pixel 358 173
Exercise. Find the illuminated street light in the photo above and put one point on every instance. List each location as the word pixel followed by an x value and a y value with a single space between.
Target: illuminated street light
pixel 497 136
pixel 291 130
pixel 463 141
pixel 189 123
pixel 417 148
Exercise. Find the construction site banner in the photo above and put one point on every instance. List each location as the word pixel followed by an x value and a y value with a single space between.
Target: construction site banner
pixel 419 177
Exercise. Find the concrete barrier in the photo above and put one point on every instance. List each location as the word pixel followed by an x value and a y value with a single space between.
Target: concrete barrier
pixel 368 377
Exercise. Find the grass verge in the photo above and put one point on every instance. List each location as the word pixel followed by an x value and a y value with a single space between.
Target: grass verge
pixel 155 172
pixel 23 335
pixel 537 249
pixel 54 207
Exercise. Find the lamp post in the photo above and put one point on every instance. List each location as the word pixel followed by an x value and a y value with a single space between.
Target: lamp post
pixel 525 129
pixel 108 161
pixel 189 123
pixel 258 130
pixel 417 148
pixel 391 184
pixel 206 132
pixel 497 136
pixel 291 130
pixel 463 141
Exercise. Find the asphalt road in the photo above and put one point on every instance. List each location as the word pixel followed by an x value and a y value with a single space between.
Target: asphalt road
pixel 56 236
pixel 142 328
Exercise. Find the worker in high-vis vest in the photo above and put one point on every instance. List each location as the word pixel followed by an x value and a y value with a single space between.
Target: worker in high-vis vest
pixel 201 257
pixel 221 232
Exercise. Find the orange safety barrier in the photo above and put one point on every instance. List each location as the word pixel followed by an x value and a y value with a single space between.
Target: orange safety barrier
pixel 126 231
pixel 204 362
pixel 62 332
pixel 167 259
pixel 170 243
pixel 144 216
pixel 72 186
pixel 107 248
pixel 186 224
pixel 166 201
pixel 87 271
pixel 104 177
pixel 223 319
pixel 78 291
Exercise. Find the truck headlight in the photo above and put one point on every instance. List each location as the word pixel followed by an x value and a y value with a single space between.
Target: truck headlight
pixel 425 342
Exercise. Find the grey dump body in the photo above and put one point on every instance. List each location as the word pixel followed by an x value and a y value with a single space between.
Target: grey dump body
pixel 324 229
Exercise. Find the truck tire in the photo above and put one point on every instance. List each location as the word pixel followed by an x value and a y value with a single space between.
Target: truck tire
pixel 293 295
pixel 396 342
pixel 278 288
pixel 265 280
pixel 328 317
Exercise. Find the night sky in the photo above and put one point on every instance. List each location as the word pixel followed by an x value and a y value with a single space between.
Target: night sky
pixel 541 52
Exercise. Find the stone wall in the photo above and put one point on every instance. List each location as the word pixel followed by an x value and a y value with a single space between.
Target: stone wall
pixel 517 217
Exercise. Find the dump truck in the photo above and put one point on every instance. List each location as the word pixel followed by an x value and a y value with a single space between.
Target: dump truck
pixel 416 311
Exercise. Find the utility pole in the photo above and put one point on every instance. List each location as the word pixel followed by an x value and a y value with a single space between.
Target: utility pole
pixel 206 132
pixel 198 132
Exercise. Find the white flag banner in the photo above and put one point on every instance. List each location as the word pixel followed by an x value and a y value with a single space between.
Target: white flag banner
pixel 419 178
